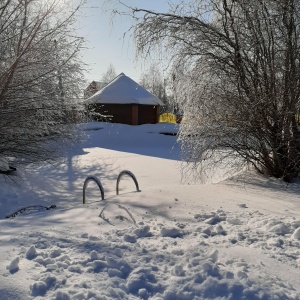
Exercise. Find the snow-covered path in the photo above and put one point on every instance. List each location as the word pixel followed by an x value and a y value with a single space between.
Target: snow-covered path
pixel 235 239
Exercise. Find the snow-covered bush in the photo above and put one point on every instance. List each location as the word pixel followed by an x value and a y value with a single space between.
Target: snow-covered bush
pixel 40 77
pixel 235 80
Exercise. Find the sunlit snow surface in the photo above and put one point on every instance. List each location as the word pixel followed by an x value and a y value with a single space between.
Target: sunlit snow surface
pixel 237 238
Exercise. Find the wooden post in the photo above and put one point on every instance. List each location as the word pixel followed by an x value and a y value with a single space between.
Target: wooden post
pixel 157 111
pixel 134 114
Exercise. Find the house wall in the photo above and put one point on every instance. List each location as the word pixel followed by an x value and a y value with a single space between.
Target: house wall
pixel 148 114
pixel 131 114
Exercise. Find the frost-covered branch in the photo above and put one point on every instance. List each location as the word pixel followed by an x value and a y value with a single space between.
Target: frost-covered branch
pixel 40 77
pixel 236 77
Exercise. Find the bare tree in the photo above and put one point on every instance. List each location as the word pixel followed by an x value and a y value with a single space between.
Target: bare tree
pixel 240 78
pixel 40 77
pixel 109 75
pixel 153 81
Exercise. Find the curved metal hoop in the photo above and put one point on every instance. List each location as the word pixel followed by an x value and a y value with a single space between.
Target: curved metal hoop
pixel 126 172
pixel 30 208
pixel 95 179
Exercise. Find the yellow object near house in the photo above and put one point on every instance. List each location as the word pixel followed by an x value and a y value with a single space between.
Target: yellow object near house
pixel 167 118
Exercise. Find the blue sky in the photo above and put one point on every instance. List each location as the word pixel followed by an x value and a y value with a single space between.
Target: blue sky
pixel 104 35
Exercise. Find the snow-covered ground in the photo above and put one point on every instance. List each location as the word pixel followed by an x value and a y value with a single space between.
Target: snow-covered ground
pixel 235 238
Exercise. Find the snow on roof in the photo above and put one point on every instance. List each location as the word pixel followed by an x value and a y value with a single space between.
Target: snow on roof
pixel 124 90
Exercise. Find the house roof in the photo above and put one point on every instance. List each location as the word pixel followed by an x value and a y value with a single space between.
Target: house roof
pixel 124 90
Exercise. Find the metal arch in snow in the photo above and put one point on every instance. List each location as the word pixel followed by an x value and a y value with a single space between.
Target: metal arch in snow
pixel 95 179
pixel 126 172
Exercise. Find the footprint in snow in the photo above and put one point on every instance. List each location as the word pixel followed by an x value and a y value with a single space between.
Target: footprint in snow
pixel 242 205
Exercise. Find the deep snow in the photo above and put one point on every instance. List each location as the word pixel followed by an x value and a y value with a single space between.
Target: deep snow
pixel 235 238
